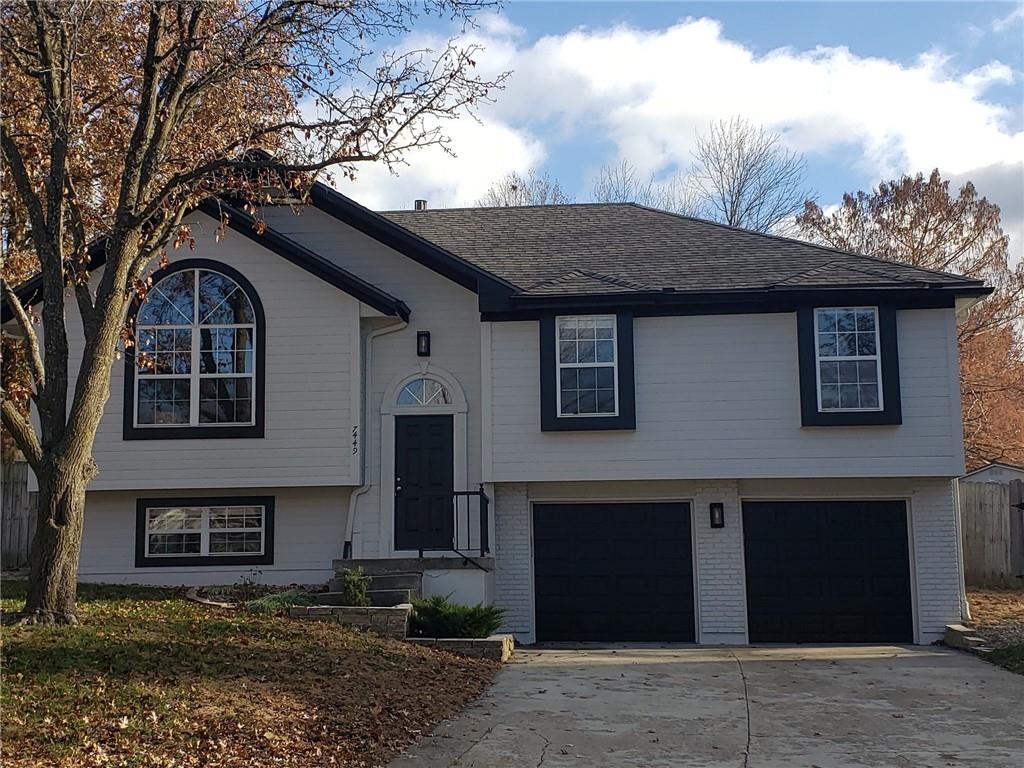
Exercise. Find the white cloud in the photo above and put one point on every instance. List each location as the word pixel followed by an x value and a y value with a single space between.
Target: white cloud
pixel 485 151
pixel 494 24
pixel 1010 20
pixel 649 92
pixel 1003 184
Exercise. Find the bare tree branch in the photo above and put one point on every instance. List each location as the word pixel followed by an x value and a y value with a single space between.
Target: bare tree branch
pixel 22 432
pixel 31 342
pixel 33 206
pixel 745 177
pixel 513 189
pixel 622 184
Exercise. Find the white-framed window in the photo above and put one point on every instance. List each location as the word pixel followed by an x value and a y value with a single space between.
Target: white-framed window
pixel 195 353
pixel 587 366
pixel 200 531
pixel 848 359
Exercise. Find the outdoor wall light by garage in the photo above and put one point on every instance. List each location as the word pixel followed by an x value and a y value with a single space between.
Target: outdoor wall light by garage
pixel 717 514
pixel 423 343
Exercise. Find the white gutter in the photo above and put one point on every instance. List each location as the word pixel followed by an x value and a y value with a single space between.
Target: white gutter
pixel 364 449
pixel 965 606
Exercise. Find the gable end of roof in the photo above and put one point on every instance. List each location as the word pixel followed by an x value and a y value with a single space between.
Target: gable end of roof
pixel 30 292
pixel 406 242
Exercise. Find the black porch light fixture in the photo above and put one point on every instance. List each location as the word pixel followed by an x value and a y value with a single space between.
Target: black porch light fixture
pixel 423 343
pixel 717 509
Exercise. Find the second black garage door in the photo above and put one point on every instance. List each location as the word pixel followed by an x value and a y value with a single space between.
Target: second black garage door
pixel 827 572
pixel 613 572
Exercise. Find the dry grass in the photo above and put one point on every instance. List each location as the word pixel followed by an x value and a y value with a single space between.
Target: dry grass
pixel 151 679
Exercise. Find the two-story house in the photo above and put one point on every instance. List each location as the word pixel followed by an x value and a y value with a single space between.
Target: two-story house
pixel 614 422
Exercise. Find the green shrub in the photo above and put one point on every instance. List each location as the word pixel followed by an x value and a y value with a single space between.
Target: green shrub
pixel 278 602
pixel 436 617
pixel 354 587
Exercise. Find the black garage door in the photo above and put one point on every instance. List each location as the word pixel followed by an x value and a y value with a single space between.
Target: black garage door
pixel 827 572
pixel 613 572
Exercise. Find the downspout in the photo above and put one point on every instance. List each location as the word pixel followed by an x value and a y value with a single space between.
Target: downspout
pixel 965 606
pixel 346 552
pixel 962 305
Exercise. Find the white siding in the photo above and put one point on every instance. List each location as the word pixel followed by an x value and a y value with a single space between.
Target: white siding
pixel 719 574
pixel 446 309
pixel 719 396
pixel 311 395
pixel 309 527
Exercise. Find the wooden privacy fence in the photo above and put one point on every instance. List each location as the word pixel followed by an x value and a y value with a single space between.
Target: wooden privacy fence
pixel 17 516
pixel 993 532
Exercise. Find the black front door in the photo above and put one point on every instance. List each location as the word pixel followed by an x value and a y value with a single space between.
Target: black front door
pixel 424 482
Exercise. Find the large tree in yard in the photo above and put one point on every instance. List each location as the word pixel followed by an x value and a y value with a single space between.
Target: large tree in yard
pixel 920 221
pixel 119 118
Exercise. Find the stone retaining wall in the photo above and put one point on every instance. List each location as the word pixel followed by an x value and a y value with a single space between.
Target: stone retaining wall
pixel 497 647
pixel 391 621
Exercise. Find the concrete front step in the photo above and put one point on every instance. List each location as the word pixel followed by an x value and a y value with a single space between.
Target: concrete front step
pixel 413 581
pixel 410 582
pixel 387 597
pixel 964 638
pixel 394 565
pixel 379 598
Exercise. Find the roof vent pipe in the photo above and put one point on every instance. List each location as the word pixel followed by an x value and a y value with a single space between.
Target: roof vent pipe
pixel 419 205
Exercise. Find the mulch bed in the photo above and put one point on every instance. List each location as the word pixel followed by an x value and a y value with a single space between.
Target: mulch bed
pixel 152 679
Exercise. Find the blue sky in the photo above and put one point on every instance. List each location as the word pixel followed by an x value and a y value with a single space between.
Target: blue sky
pixel 863 90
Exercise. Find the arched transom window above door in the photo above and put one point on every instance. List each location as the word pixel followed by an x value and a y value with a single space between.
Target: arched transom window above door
pixel 424 392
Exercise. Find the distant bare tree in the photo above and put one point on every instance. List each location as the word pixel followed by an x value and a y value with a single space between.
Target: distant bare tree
pixel 513 189
pixel 622 183
pixel 743 176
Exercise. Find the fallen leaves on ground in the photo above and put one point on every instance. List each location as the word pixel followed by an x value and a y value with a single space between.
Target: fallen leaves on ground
pixel 151 679
pixel 998 615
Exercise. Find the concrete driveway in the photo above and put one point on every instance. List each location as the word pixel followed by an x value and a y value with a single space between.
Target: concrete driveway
pixel 744 708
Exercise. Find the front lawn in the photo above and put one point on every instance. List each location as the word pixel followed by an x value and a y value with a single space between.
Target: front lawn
pixel 152 679
pixel 998 615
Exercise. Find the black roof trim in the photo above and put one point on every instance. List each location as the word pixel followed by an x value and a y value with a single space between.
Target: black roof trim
pixel 30 292
pixel 419 249
pixel 316 265
pixel 665 303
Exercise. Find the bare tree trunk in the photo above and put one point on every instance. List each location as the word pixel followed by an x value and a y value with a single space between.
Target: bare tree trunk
pixel 52 586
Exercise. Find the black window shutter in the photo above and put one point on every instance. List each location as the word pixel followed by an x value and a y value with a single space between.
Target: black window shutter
pixel 626 418
pixel 892 411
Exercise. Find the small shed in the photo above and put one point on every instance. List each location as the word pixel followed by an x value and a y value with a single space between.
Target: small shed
pixel 995 472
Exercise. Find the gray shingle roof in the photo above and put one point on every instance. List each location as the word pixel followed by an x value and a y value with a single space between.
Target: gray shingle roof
pixel 602 248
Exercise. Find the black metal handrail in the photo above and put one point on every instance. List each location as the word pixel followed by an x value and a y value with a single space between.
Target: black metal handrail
pixel 463 539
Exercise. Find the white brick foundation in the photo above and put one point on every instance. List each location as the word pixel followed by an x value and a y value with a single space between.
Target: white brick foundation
pixel 513 561
pixel 721 591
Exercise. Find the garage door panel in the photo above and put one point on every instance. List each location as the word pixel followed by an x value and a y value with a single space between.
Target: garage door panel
pixel 613 572
pixel 827 571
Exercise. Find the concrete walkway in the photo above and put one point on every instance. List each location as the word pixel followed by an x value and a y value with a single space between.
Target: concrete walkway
pixel 768 707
